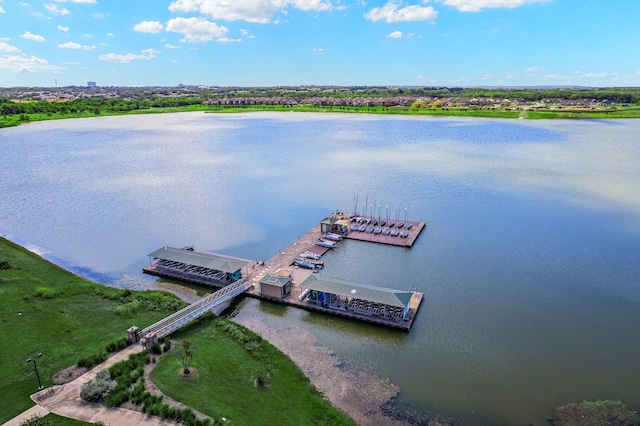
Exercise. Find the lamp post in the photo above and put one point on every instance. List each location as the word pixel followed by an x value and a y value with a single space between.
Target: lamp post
pixel 35 367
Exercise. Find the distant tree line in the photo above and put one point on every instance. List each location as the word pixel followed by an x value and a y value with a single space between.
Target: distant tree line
pixel 116 100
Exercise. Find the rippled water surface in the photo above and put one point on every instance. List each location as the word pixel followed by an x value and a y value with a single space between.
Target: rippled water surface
pixel 529 261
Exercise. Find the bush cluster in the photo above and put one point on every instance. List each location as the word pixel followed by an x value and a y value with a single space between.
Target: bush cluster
pixel 117 345
pixel 93 360
pixel 128 376
pixel 97 390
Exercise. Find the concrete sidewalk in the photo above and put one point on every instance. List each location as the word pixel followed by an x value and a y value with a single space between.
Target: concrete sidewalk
pixel 65 401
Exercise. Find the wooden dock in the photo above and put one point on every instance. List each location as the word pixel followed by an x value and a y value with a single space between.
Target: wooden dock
pixel 282 264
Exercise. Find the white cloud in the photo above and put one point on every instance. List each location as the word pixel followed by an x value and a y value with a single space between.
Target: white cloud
pixel 533 68
pixel 151 27
pixel 2 10
pixel 61 28
pixel 78 1
pixel 392 12
pixel 28 36
pixel 77 46
pixel 259 11
pixel 478 5
pixel 6 47
pixel 123 59
pixel 229 40
pixel 316 5
pixel 85 35
pixel 196 30
pixel 24 63
pixel 171 46
pixel 52 8
pixel 99 15
pixel 595 75
pixel 395 34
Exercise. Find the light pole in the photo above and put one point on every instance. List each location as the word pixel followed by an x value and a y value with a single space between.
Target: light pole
pixel 35 367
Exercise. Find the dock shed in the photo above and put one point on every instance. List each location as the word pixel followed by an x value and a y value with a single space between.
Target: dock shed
pixel 362 299
pixel 196 266
pixel 335 223
pixel 275 285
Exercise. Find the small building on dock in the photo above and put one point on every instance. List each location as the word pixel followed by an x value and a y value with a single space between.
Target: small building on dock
pixel 194 266
pixel 361 299
pixel 277 286
pixel 337 223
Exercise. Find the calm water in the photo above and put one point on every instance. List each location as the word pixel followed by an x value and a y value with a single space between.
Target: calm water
pixel 529 262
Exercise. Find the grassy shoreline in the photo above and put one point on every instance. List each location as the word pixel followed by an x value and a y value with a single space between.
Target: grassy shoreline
pixel 528 114
pixel 46 309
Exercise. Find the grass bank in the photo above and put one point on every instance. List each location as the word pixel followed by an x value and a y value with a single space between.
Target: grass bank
pixel 243 378
pixel 592 114
pixel 45 309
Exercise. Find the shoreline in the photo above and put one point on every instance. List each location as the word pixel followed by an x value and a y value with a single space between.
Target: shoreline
pixel 357 393
pixel 501 113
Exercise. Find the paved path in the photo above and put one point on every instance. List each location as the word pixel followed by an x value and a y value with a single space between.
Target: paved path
pixel 65 401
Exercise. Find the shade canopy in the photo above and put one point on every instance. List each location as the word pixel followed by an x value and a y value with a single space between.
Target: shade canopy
pixel 370 293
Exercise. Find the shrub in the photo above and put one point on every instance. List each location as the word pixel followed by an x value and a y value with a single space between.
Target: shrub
pixel 36 420
pixel 156 349
pixel 4 265
pixel 167 346
pixel 97 390
pixel 93 360
pixel 44 292
pixel 117 345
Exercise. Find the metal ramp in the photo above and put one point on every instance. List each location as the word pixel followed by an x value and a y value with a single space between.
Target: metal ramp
pixel 174 321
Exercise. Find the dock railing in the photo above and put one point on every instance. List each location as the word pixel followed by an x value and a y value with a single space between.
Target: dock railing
pixel 176 320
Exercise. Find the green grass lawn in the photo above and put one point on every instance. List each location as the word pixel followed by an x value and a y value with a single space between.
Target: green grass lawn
pixel 45 309
pixel 228 360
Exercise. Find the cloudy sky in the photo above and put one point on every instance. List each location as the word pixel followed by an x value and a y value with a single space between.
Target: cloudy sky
pixel 339 42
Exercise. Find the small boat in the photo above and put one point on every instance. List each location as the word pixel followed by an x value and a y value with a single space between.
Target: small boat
pixel 400 225
pixel 354 226
pixel 404 234
pixel 307 264
pixel 409 226
pixel 369 229
pixel 382 223
pixel 332 237
pixel 392 224
pixel 362 228
pixel 386 231
pixel 377 230
pixel 310 255
pixel 326 243
pixel 394 233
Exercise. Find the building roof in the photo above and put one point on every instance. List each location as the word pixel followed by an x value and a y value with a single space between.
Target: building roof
pixel 382 295
pixel 275 280
pixel 217 262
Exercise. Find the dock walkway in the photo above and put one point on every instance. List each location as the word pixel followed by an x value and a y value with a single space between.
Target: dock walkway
pixel 282 264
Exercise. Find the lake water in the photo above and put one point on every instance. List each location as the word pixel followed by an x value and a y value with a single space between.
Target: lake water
pixel 529 262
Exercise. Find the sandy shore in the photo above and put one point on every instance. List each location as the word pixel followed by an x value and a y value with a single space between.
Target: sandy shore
pixel 357 393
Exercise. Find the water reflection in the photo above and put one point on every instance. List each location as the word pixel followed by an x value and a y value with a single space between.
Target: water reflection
pixel 528 261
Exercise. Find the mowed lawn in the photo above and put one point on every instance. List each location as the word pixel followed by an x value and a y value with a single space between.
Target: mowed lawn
pixel 45 309
pixel 242 378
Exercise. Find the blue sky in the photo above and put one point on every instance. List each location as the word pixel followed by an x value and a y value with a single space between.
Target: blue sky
pixel 320 42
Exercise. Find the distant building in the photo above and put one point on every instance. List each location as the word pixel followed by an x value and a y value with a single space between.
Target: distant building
pixel 91 84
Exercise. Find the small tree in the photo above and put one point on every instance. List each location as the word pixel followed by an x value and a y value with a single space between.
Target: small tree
pixel 184 353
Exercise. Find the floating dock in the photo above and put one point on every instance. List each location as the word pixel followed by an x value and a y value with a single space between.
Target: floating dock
pixel 278 280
